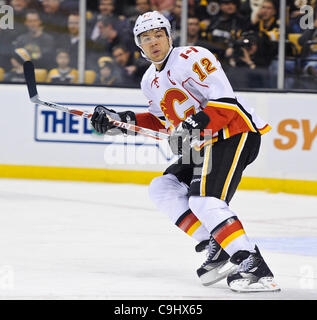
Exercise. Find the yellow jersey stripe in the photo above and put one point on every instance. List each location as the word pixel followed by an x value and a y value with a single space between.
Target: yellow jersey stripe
pixel 226 132
pixel 266 129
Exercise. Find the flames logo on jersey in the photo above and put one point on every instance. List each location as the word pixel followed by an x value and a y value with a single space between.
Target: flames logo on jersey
pixel 167 105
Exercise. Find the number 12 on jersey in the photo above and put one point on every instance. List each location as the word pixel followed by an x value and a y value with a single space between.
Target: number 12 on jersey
pixel 207 65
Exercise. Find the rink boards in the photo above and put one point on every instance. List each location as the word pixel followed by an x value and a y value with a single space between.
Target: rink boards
pixel 42 143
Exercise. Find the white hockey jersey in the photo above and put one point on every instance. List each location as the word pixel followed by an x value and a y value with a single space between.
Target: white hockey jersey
pixel 193 80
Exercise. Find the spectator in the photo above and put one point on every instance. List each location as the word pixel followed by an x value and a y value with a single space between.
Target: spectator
pixel 109 37
pixel 206 11
pixel 141 6
pixel 108 74
pixel 68 6
pixel 295 15
pixel 5 51
pixel 20 8
pixel 131 70
pixel 164 6
pixel 39 44
pixel 174 18
pixel 267 20
pixel 255 6
pixel 249 61
pixel 54 19
pixel 107 10
pixel 16 74
pixel 308 41
pixel 226 26
pixel 126 8
pixel 71 39
pixel 245 9
pixel 249 52
pixel 194 36
pixel 63 74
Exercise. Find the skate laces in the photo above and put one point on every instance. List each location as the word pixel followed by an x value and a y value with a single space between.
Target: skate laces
pixel 247 264
pixel 211 248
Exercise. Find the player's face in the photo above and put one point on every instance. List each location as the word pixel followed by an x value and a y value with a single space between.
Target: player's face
pixel 155 44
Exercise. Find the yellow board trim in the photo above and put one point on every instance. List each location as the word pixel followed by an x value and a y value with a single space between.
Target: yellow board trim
pixel 307 187
pixel 273 185
pixel 193 228
pixel 77 174
pixel 233 166
pixel 232 236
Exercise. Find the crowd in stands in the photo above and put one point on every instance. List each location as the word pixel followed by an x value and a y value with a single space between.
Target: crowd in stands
pixel 243 34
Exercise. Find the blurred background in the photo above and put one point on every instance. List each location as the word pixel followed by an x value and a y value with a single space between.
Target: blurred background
pixel 91 42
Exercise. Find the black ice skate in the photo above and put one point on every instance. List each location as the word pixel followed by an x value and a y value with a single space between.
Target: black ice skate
pixel 252 274
pixel 217 266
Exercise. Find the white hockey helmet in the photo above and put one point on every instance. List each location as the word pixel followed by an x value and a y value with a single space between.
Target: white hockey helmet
pixel 148 21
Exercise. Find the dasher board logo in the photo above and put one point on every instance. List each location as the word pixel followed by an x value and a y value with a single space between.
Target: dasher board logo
pixel 61 127
pixel 57 126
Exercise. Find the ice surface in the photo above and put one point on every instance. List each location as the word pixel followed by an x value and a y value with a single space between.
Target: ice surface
pixel 73 240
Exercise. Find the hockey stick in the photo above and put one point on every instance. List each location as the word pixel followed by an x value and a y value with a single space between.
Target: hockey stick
pixel 29 75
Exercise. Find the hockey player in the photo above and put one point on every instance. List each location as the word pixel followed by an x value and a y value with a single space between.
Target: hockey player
pixel 188 90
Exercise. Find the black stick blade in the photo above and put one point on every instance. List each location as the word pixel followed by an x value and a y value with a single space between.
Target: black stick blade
pixel 29 76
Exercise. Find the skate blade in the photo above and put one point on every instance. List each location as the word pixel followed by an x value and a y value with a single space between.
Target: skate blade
pixel 215 275
pixel 266 284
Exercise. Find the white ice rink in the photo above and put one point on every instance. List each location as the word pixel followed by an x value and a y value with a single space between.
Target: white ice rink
pixel 67 240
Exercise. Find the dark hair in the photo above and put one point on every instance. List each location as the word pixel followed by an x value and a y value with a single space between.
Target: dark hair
pixel 235 2
pixel 106 21
pixel 73 13
pixel 147 1
pixel 113 2
pixel 192 16
pixel 33 11
pixel 61 50
pixel 273 3
pixel 120 46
